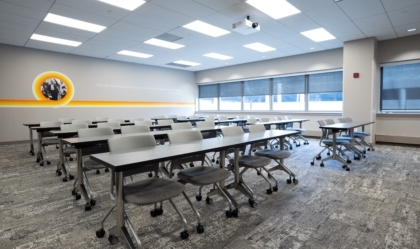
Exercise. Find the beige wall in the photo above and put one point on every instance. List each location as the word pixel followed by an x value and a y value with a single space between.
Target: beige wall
pixel 93 79
pixel 401 49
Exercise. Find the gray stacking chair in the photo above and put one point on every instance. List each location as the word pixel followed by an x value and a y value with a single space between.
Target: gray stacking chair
pixel 144 192
pixel 209 124
pixel 276 155
pixel 48 139
pixel 70 150
pixel 102 119
pixel 81 121
pixel 327 143
pixel 172 116
pixel 247 162
pixel 132 120
pixel 165 121
pixel 209 118
pixel 109 124
pixel 264 119
pixel 144 122
pixel 349 147
pixel 114 120
pixel 181 117
pixel 199 176
pixel 66 120
pixel 181 126
pixel 298 136
pixel 134 129
pixel 360 135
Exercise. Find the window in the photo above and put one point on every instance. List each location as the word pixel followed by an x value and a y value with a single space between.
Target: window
pixel 208 97
pixel 257 95
pixel 289 93
pixel 231 96
pixel 400 88
pixel 325 92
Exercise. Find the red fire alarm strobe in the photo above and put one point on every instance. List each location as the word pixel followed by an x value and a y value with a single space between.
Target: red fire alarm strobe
pixel 355 75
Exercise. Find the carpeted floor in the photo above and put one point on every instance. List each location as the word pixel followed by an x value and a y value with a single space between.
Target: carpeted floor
pixel 375 205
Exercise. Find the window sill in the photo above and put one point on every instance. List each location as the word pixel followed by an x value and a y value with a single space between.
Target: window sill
pixel 399 114
pixel 280 113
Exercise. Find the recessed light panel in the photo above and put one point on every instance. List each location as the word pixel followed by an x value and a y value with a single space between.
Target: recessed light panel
pixel 125 4
pixel 218 56
pixel 275 8
pixel 73 23
pixel 165 44
pixel 411 30
pixel 318 35
pixel 206 28
pixel 259 47
pixel 55 40
pixel 135 54
pixel 187 63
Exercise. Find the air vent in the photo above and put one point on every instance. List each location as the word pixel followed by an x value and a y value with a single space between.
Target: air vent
pixel 177 65
pixel 168 37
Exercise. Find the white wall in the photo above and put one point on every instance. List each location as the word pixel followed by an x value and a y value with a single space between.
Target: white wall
pixel 94 80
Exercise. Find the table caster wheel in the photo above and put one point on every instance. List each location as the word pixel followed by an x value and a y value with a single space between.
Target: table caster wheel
pixel 258 173
pixel 200 228
pixel 153 213
pixel 321 165
pixel 295 181
pixel 191 165
pixel 228 213
pixel 100 233
pixel 212 160
pixel 318 158
pixel 185 234
pixel 217 161
pixel 73 192
pixel 113 239
pixel 275 188
pixel 235 213
pixel 198 197
pixel 269 191
pixel 150 174
pixel 159 211
pixel 71 159
pixel 106 170
pixel 71 177
pixel 48 162
pixel 65 179
pixel 347 169
pixel 209 200
pixel 88 207
pixel 349 161
pixel 78 196
pixel 32 153
pixel 252 203
pixel 41 164
pixel 98 172
pixel 288 181
pixel 92 202
pixel 312 163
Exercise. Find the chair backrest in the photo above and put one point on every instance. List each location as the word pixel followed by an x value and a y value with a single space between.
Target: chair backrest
pixel 172 116
pixel 251 116
pixel 181 126
pixel 144 122
pixel 232 131
pixel 209 118
pixel 182 137
pixel 222 118
pixel 181 117
pixel 132 120
pixel 66 120
pixel 342 120
pixel 278 118
pixel 159 116
pixel 205 124
pixel 349 119
pixel 50 123
pixel 119 121
pixel 101 119
pixel 109 124
pixel 118 144
pixel 193 117
pixel 165 121
pixel 324 131
pixel 81 121
pixel 73 127
pixel 240 117
pixel 287 117
pixel 256 128
pixel 264 119
pixel 251 120
pixel 134 129
pixel 95 132
pixel 329 121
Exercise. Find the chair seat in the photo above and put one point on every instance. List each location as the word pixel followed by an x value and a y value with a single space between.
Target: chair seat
pixel 203 175
pixel 338 142
pixel 273 154
pixel 151 191
pixel 50 140
pixel 69 150
pixel 90 165
pixel 252 161
pixel 362 133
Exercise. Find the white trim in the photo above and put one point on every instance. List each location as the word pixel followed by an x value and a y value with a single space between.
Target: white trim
pixel 397 63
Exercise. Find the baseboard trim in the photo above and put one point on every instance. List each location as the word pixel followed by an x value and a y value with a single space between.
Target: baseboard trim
pixel 397 139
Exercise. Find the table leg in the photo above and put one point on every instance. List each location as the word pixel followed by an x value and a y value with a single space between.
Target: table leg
pixel 39 154
pixel 31 142
pixel 80 182
pixel 61 164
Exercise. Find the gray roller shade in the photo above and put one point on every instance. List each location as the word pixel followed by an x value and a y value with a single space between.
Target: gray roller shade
pixel 289 85
pixel 257 87
pixel 208 91
pixel 326 82
pixel 232 89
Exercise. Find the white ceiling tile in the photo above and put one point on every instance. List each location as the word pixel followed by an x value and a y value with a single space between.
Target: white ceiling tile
pixel 42 5
pixel 372 23
pixel 218 4
pixel 276 29
pixel 17 27
pixel 344 29
pixel 332 44
pixel 105 44
pixel 13 18
pixel 96 7
pixel 352 37
pixel 116 39
pixel 4 32
pixel 120 57
pixel 405 16
pixel 20 10
pixel 402 30
pixel 400 4
pixel 296 39
pixel 299 22
pixel 64 32
pixel 150 49
pixel 124 35
pixel 220 20
pixel 305 5
pixel 384 34
pixel 136 29
pixel 12 39
pixel 48 46
pixel 194 9
pixel 90 52
pixel 357 9
pixel 240 12
pixel 59 34
pixel 189 36
pixel 335 15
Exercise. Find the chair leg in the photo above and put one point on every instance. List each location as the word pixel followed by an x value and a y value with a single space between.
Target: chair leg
pixel 184 234
pixel 200 228
pixel 133 231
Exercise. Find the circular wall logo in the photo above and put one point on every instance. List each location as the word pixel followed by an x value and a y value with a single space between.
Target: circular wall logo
pixel 54 87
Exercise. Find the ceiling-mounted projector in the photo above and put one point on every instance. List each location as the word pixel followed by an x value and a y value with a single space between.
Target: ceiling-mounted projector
pixel 246 27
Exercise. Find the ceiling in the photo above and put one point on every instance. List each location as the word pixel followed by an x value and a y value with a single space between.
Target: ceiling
pixel 127 30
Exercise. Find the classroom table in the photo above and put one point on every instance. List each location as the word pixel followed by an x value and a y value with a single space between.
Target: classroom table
pixel 348 126
pixel 239 122
pixel 122 161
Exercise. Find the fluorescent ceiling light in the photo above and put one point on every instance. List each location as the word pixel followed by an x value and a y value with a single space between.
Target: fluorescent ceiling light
pixel 55 40
pixel 135 54
pixel 73 23
pixel 125 4
pixel 318 35
pixel 218 56
pixel 165 44
pixel 411 30
pixel 259 47
pixel 188 63
pixel 206 28
pixel 275 8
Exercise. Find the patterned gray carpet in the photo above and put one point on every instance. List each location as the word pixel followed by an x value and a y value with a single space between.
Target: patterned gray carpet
pixel 375 205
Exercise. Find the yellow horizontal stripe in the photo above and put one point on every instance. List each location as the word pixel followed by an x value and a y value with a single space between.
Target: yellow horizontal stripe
pixel 93 103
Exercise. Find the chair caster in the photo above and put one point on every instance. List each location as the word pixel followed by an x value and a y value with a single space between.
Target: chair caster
pixel 92 202
pixel 356 158
pixel 318 158
pixel 363 156
pixel 312 163
pixel 38 160
pixel 347 168
pixel 321 165
pixel 295 181
pixel 156 212
pixel 198 197
pixel 73 192
pixel 368 149
pixel 88 207
pixel 32 153
pixel 269 191
pixel 252 203
pixel 228 213
pixel 106 170
pixel 258 173
pixel 41 164
pixel 48 162
pixel 100 233
pixel 200 228
pixel 185 234
pixel 288 181
pixel 212 160
pixel 306 143
pixel 349 161
pixel 209 200
pixel 71 159
pixel 65 179
pixel 58 173
pixel 328 154
pixel 150 174
pixel 191 165
pixel 217 161
pixel 113 239
pixel 98 172
pixel 78 196
pixel 235 213
pixel 275 188
pixel 71 177
pixel 364 151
